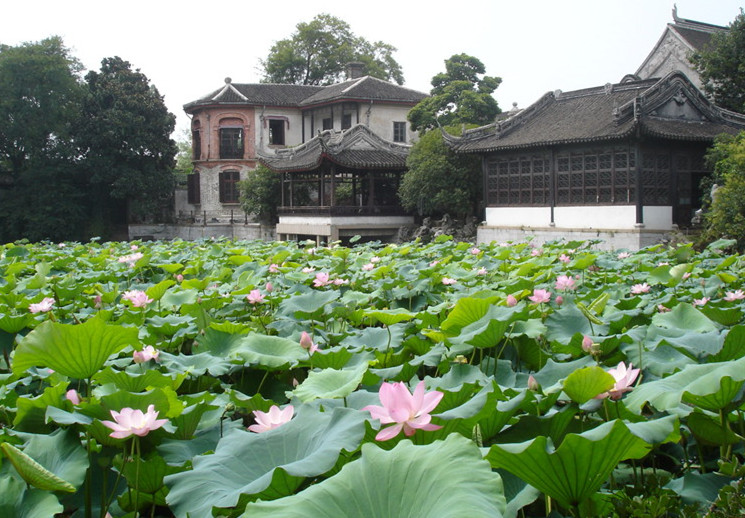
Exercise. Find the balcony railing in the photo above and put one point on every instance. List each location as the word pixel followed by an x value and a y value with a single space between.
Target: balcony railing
pixel 343 210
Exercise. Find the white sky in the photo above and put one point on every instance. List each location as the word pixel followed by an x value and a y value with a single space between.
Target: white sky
pixel 186 48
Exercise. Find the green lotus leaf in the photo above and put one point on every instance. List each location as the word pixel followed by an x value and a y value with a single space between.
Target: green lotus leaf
pixel 698 380
pixel 157 291
pixel 270 352
pixel 60 452
pixel 329 384
pixel 584 384
pixel 77 351
pixel 31 411
pixel 487 331
pixel 466 311
pixel 307 304
pixel 563 324
pixel 575 470
pixel 710 431
pixel 15 323
pixel 698 488
pixel 446 479
pixel 134 381
pixel 272 463
pixel 17 500
pixel 388 317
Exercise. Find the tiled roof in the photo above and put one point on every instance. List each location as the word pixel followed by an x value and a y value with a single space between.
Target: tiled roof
pixel 299 96
pixel 365 88
pixel 355 148
pixel 611 112
pixel 695 38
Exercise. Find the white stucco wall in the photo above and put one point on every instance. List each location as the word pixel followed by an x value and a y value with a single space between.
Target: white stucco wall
pixel 609 217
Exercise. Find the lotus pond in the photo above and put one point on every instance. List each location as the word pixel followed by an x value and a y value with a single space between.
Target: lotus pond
pixel 223 378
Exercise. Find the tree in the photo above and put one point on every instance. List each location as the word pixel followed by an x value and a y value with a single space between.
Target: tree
pixel 40 188
pixel 458 96
pixel 438 181
pixel 261 194
pixel 724 203
pixel 125 132
pixel 721 66
pixel 318 51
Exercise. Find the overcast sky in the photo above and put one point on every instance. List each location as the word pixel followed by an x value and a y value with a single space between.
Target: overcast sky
pixel 187 48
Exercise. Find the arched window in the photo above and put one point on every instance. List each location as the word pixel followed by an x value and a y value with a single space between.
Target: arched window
pixel 229 186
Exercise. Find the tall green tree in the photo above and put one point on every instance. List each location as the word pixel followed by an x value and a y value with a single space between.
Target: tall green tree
pixel 440 182
pixel 125 132
pixel 261 194
pixel 462 94
pixel 318 51
pixel 722 66
pixel 724 203
pixel 40 185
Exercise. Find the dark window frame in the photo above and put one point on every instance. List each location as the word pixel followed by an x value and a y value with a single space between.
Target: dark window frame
pixel 231 143
pixel 399 131
pixel 277 135
pixel 193 190
pixel 229 192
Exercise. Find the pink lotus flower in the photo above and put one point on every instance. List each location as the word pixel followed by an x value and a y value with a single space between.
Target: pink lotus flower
pixel 536 252
pixel 732 296
pixel 686 275
pixel 375 259
pixel 134 422
pixel 564 258
pixel 638 289
pixel 624 380
pixel 179 277
pixel 434 263
pixel 131 259
pixel 273 268
pixel 133 247
pixel 266 421
pixel 138 298
pixel 255 297
pixel 72 396
pixel 368 267
pixel 408 411
pixel 306 342
pixel 146 354
pixel 662 309
pixel 511 300
pixel 624 255
pixel 45 305
pixel 701 302
pixel 322 279
pixel 475 251
pixel 540 296
pixel 587 344
pixel 482 271
pixel 559 300
pixel 447 281
pixel 339 282
pixel 565 282
pixel 533 384
pixel 308 269
pixel 269 287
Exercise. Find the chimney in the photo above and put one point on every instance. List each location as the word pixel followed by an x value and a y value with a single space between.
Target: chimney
pixel 355 70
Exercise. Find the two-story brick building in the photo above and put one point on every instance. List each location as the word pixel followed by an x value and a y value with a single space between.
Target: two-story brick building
pixel 233 125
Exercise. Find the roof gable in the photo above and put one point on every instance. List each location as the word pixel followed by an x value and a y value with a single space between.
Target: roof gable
pixel 669 108
pixel 357 147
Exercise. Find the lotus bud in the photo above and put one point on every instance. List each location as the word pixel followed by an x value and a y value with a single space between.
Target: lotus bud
pixel 533 385
pixel 511 300
pixel 306 342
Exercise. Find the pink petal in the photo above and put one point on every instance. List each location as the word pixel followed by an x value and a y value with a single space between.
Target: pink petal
pixel 431 400
pixel 389 433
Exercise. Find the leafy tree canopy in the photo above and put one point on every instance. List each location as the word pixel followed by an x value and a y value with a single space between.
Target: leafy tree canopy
pixel 721 66
pixel 725 217
pixel 125 131
pixel 318 51
pixel 260 194
pixel 439 181
pixel 462 94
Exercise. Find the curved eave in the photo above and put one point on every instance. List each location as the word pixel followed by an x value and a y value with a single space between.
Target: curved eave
pixel 277 166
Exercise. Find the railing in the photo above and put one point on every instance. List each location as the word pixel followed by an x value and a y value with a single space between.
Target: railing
pixel 205 217
pixel 343 210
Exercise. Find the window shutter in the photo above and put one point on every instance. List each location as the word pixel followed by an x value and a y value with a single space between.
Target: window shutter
pixel 192 189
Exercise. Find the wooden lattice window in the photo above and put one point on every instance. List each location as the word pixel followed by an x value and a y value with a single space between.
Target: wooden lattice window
pixel 518 180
